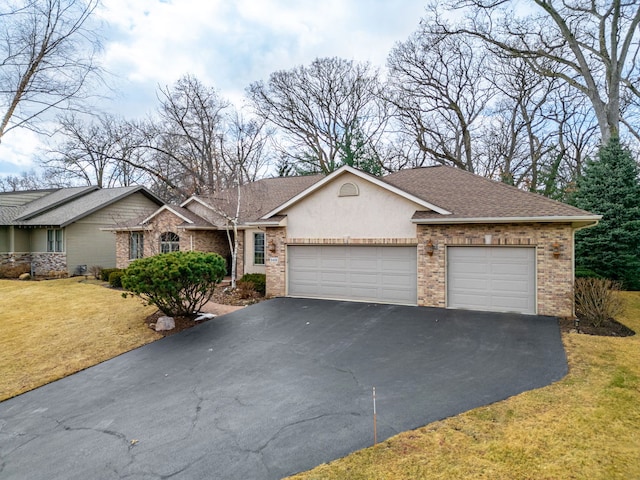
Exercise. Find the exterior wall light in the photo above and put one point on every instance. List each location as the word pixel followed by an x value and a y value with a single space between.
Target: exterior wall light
pixel 272 246
pixel 430 248
pixel 555 249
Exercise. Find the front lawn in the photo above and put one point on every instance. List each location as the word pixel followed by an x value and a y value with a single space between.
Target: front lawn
pixel 586 426
pixel 51 329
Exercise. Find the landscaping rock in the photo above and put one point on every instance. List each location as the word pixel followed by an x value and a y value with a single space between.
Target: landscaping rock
pixel 165 323
pixel 25 276
pixel 204 316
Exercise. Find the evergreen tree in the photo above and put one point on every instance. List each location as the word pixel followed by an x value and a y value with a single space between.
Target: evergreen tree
pixel 610 187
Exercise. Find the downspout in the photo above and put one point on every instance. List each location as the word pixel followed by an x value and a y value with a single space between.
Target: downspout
pixel 191 241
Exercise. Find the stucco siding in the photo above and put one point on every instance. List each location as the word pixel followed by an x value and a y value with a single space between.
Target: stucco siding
pixel 373 213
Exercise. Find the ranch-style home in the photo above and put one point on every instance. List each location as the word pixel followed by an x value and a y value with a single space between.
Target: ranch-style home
pixel 57 232
pixel 434 236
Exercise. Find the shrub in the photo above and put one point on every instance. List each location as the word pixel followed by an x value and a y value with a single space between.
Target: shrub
pixel 597 300
pixel 96 271
pixel 246 289
pixel 14 270
pixel 178 283
pixel 258 281
pixel 115 278
pixel 105 272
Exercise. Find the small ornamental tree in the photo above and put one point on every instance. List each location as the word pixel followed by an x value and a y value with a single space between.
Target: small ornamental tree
pixel 610 187
pixel 178 283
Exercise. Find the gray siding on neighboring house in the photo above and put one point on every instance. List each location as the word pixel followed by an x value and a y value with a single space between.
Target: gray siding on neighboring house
pixel 4 239
pixel 86 244
pixel 21 240
pixel 39 240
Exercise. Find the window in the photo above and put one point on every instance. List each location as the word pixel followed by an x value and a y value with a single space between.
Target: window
pixel 136 245
pixel 169 242
pixel 258 248
pixel 54 240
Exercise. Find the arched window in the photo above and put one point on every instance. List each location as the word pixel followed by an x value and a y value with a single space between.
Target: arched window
pixel 169 242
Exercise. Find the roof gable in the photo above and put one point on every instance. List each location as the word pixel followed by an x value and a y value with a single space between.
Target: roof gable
pixel 364 176
pixel 77 205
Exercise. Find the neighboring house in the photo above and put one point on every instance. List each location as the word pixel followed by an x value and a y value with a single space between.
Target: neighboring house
pixel 59 231
pixel 435 236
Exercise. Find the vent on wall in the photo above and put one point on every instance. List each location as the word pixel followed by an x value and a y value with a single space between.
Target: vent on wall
pixel 349 190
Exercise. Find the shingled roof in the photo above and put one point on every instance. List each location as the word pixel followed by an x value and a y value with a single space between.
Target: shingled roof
pixel 256 198
pixel 471 197
pixel 64 206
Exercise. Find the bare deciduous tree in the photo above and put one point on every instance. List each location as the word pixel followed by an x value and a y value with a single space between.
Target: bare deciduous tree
pixel 47 56
pixel 439 91
pixel 591 46
pixel 327 112
pixel 95 150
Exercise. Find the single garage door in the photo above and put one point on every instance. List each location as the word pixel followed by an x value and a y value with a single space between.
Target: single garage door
pixel 497 279
pixel 375 274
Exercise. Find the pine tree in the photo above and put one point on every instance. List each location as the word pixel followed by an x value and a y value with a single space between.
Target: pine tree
pixel 610 187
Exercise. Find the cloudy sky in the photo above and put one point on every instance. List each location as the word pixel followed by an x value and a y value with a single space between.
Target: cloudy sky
pixel 226 44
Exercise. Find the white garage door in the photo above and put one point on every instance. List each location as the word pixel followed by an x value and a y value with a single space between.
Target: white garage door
pixel 497 279
pixel 376 274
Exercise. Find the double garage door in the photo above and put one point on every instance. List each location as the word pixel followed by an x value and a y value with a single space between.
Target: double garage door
pixel 500 279
pixel 375 274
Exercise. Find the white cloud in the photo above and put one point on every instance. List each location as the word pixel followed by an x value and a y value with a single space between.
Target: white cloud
pixel 18 150
pixel 228 45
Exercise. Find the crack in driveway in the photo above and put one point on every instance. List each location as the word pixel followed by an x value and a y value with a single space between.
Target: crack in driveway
pixel 273 389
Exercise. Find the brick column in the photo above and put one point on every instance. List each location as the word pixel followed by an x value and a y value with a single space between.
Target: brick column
pixel 276 262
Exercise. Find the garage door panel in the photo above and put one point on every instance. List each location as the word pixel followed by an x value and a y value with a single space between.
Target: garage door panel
pixel 379 274
pixel 491 278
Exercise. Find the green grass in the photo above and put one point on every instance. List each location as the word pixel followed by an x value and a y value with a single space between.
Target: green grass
pixel 586 426
pixel 54 328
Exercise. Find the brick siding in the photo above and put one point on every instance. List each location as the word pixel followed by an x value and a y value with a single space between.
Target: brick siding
pixel 554 274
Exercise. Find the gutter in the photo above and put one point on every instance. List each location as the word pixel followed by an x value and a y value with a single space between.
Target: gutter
pixel 592 219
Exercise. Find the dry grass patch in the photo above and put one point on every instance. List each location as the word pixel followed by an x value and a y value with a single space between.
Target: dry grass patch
pixel 586 426
pixel 54 328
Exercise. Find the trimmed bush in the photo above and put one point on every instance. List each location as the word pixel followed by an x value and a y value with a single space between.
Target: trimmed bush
pixel 597 300
pixel 258 281
pixel 115 278
pixel 105 272
pixel 178 283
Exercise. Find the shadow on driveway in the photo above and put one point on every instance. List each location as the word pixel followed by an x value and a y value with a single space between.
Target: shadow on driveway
pixel 273 389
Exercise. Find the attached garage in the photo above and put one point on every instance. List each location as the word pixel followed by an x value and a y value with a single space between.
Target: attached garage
pixel 381 274
pixel 498 279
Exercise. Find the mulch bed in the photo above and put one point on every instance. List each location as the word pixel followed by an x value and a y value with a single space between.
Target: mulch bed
pixel 609 328
pixel 221 295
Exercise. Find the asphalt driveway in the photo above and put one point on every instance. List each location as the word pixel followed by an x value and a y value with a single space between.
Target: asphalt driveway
pixel 273 389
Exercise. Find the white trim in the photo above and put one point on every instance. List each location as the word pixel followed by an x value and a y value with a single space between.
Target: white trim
pixel 550 219
pixel 363 176
pixel 166 207
pixel 195 199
